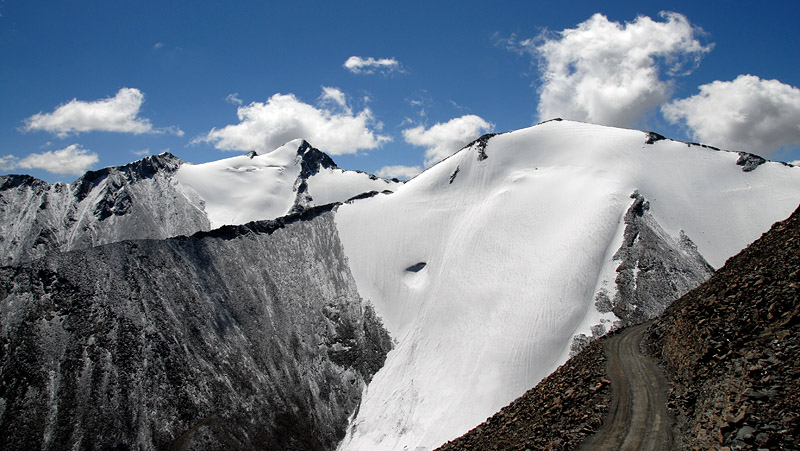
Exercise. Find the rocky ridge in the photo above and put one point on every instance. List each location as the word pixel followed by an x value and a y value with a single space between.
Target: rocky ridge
pixel 245 337
pixel 136 201
pixel 654 270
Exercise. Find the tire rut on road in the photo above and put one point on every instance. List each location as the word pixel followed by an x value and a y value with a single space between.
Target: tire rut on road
pixel 638 418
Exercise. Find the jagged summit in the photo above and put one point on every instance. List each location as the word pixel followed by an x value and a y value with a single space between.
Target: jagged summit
pixel 288 179
pixel 313 160
pixel 145 168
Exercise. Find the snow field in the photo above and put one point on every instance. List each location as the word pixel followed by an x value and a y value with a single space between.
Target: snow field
pixel 241 189
pixel 515 249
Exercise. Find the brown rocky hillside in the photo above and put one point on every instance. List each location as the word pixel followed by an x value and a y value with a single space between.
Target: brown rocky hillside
pixel 731 349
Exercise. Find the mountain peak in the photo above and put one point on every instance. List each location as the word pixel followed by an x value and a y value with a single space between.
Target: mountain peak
pixel 145 168
pixel 313 159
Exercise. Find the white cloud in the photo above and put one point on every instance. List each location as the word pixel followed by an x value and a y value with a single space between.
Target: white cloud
pixel 747 113
pixel 359 65
pixel 8 163
pixel 398 171
pixel 265 126
pixel 442 140
pixel 141 153
pixel 158 45
pixel 113 114
pixel 609 73
pixel 335 96
pixel 234 99
pixel 70 160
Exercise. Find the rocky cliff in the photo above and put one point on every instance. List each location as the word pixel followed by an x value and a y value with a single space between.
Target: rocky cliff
pixel 248 336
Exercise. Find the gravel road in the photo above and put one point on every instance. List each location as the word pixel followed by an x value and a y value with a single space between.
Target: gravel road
pixel 638 418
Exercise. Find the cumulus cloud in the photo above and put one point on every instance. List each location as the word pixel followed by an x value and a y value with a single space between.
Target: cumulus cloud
pixel 398 171
pixel 8 163
pixel 265 126
pixel 234 99
pixel 113 114
pixel 141 153
pixel 70 160
pixel 359 65
pixel 336 97
pixel 747 113
pixel 444 139
pixel 609 73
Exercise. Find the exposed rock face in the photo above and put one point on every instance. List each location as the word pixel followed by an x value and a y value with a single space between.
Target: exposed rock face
pixel 749 162
pixel 311 161
pixel 480 145
pixel 654 269
pixel 248 336
pixel 732 347
pixel 138 200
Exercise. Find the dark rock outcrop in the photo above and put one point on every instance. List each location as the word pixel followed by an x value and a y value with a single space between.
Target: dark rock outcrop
pixel 749 162
pixel 249 337
pixel 653 137
pixel 654 268
pixel 481 144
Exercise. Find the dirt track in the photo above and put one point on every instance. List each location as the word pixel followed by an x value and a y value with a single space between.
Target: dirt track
pixel 638 418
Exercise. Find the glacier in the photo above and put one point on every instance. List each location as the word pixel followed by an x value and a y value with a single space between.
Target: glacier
pixel 512 239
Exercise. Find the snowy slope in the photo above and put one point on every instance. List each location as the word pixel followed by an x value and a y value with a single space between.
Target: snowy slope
pixel 252 187
pixel 484 267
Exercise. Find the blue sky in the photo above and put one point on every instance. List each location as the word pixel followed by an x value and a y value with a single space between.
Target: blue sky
pixel 86 85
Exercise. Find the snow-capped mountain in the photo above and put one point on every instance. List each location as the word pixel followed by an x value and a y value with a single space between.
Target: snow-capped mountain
pixel 162 196
pixel 487 270
pixel 292 177
pixel 485 267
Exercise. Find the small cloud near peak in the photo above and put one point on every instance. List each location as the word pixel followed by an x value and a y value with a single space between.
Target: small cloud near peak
pixel 444 139
pixel 399 172
pixel 370 65
pixel 112 114
pixel 234 99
